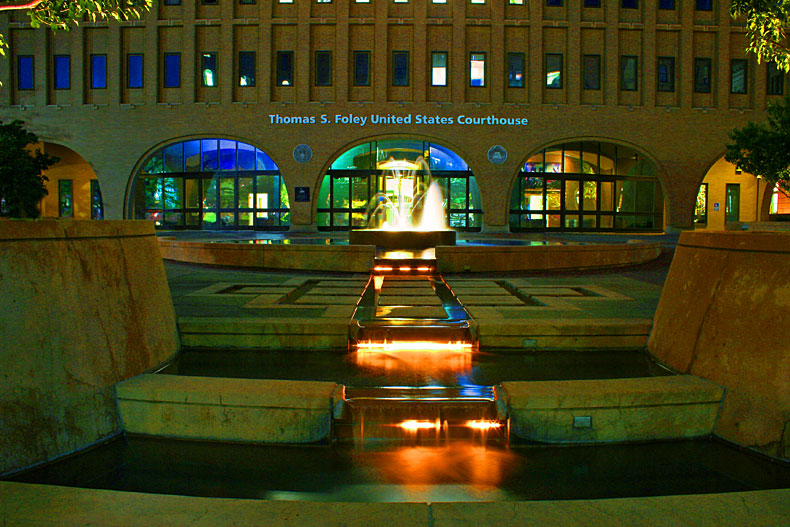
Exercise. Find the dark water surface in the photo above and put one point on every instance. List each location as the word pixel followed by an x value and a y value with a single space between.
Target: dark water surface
pixel 455 471
pixel 414 368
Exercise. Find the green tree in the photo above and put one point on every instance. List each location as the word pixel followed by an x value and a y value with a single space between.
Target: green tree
pixel 763 149
pixel 22 184
pixel 60 14
pixel 767 25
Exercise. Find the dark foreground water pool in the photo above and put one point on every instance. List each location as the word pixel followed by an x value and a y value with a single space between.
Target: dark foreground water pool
pixel 456 471
pixel 414 368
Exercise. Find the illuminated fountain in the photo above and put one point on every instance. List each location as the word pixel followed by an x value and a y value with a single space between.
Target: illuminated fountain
pixel 404 216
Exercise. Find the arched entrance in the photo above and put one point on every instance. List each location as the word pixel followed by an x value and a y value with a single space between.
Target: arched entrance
pixel 210 183
pixel 368 169
pixel 72 187
pixel 728 195
pixel 587 186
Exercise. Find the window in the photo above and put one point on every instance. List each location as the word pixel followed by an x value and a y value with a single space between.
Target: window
pixel 98 71
pixel 701 208
pixel 438 1
pixel 208 69
pixel 666 4
pixel 400 68
pixel 592 72
pixel 209 2
pixel 702 69
pixel 439 68
pixel 323 68
pixel 704 5
pixel 515 2
pixel 286 1
pixel 285 68
pixel 62 72
pixel 592 3
pixel 24 79
pixel 172 70
pixel 554 3
pixel 362 1
pixel 732 202
pixel 97 206
pixel 515 70
pixel 554 70
pixel 666 74
pixel 362 68
pixel 477 69
pixel 248 2
pixel 246 68
pixel 738 71
pixel 477 1
pixel 776 80
pixel 65 198
pixel 134 70
pixel 172 2
pixel 628 72
pixel 629 4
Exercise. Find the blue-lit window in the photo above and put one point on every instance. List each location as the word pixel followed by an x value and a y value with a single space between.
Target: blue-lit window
pixel 515 70
pixel 24 79
pixel 702 72
pixel 172 70
pixel 134 70
pixel 362 68
pixel 554 3
pixel 704 5
pixel 400 68
pixel 666 4
pixel 62 72
pixel 666 74
pixel 592 3
pixel 98 71
pixel 629 4
pixel 738 75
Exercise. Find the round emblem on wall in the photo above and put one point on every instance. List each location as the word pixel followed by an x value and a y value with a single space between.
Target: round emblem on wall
pixel 303 153
pixel 497 155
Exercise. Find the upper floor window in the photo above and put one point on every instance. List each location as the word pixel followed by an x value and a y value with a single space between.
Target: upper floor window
pixel 323 1
pixel 439 68
pixel 592 3
pixel 477 69
pixel 400 68
pixel 704 5
pixel 62 72
pixel 515 70
pixel 134 70
pixel 285 68
pixel 98 71
pixel 248 2
pixel 208 69
pixel 554 3
pixel 629 4
pixel 775 80
pixel 629 68
pixel 246 68
pixel 323 68
pixel 209 2
pixel 172 70
pixel 666 74
pixel 362 68
pixel 172 2
pixel 666 4
pixel 738 78
pixel 515 2
pixel 554 70
pixel 702 71
pixel 477 1
pixel 592 72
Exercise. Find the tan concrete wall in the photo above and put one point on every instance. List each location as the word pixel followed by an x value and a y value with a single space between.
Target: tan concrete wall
pixel 84 305
pixel 722 316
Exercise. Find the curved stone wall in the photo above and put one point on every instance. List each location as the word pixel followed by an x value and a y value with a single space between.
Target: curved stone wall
pixel 85 304
pixel 723 316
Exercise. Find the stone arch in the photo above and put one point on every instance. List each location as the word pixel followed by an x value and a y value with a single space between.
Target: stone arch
pixel 587 184
pixel 73 186
pixel 358 171
pixel 209 182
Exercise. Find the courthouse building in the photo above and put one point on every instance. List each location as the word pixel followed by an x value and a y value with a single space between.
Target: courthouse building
pixel 547 115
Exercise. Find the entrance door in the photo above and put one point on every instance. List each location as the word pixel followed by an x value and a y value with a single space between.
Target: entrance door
pixel 732 204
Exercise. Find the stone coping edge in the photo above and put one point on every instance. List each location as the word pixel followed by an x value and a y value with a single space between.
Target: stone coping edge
pixel 30 230
pixel 747 241
pixel 34 504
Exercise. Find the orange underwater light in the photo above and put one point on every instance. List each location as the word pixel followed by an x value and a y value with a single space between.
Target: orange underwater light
pixel 412 425
pixel 414 345
pixel 483 424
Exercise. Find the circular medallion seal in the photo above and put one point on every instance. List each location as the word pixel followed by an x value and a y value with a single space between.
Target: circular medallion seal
pixel 303 153
pixel 497 155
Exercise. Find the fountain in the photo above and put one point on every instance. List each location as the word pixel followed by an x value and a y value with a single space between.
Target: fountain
pixel 403 216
